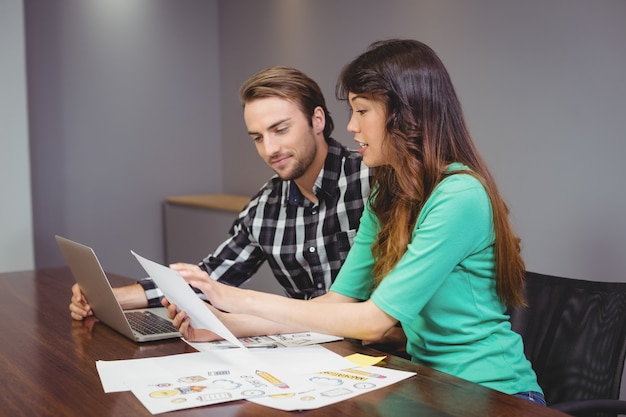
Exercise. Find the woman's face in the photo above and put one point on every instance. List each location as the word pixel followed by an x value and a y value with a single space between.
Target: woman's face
pixel 367 123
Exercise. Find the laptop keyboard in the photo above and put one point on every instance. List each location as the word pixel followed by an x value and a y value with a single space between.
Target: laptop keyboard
pixel 147 323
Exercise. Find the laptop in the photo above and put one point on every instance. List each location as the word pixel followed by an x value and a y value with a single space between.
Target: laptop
pixel 140 325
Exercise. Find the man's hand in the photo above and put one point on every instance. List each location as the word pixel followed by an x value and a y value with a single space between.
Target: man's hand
pixel 79 307
pixel 129 297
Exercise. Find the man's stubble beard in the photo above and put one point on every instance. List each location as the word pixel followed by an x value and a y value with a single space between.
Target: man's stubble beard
pixel 301 167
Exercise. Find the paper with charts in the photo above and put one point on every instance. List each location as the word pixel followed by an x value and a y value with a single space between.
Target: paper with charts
pixel 269 342
pixel 295 378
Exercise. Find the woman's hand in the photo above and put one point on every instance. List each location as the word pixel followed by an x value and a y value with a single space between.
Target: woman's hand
pixel 181 321
pixel 190 271
pixel 223 297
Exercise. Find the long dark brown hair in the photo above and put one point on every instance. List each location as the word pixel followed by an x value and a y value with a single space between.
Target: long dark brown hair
pixel 426 131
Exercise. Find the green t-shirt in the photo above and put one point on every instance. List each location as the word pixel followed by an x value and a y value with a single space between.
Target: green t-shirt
pixel 443 290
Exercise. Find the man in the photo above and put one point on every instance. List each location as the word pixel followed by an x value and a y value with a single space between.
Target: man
pixel 303 220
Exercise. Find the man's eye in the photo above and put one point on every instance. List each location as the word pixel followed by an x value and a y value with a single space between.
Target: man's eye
pixel 281 130
pixel 257 138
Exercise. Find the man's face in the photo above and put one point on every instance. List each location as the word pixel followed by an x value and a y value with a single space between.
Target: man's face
pixel 282 134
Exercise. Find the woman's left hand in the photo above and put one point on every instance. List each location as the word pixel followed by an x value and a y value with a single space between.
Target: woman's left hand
pixel 181 321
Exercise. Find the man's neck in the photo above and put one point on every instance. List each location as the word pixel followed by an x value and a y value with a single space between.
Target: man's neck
pixel 306 182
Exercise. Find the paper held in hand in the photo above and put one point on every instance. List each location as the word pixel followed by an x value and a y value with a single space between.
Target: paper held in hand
pixel 178 292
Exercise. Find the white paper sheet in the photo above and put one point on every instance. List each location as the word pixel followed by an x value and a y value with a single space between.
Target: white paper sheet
pixel 218 377
pixel 269 341
pixel 306 359
pixel 295 378
pixel 333 387
pixel 177 291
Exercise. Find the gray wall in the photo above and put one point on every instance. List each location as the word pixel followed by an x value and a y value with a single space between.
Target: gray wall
pixel 124 111
pixel 16 230
pixel 134 101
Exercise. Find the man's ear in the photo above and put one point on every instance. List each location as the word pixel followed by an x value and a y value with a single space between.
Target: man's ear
pixel 318 120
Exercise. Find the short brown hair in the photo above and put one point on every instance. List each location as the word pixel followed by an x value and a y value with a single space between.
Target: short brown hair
pixel 289 84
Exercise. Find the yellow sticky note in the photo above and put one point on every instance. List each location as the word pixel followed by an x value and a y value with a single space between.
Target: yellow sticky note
pixel 364 360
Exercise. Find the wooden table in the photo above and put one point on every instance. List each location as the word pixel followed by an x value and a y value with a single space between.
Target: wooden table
pixel 47 366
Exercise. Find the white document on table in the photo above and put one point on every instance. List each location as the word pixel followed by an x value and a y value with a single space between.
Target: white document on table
pixel 283 340
pixel 178 292
pixel 295 378
pixel 115 374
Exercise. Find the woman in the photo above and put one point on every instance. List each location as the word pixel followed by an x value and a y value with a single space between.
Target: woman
pixel 435 250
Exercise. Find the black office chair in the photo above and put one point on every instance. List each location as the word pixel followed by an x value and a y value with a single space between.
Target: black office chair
pixel 574 334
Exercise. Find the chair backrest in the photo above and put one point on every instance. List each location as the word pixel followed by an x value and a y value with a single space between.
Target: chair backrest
pixel 574 334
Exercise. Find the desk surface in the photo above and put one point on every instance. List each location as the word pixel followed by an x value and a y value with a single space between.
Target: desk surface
pixel 226 202
pixel 47 363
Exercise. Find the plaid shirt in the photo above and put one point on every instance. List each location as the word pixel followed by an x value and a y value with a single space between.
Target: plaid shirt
pixel 305 244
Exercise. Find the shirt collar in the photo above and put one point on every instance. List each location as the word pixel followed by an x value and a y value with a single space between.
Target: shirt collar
pixel 326 180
